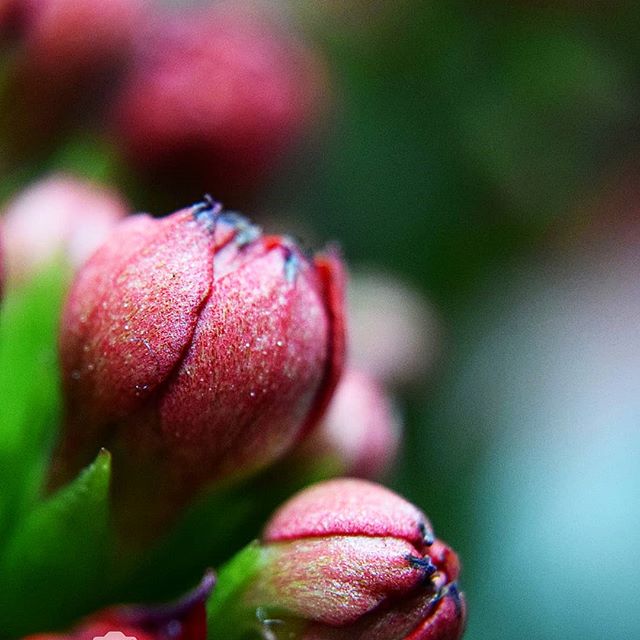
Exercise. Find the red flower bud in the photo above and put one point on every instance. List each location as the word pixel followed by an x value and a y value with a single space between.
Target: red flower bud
pixel 346 560
pixel 59 216
pixel 359 434
pixel 67 55
pixel 215 98
pixel 181 620
pixel 9 19
pixel 196 350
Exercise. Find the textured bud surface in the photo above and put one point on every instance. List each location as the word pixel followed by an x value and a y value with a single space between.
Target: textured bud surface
pixel 348 506
pixel 195 346
pixel 343 560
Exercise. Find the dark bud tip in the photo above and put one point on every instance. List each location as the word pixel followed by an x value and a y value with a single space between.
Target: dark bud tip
pixel 451 591
pixel 424 564
pixel 207 210
pixel 426 533
pixel 246 232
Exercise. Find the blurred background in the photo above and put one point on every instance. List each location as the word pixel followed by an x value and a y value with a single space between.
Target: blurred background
pixel 479 164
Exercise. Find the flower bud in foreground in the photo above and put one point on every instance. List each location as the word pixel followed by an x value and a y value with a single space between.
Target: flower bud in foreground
pixel 181 620
pixel 59 216
pixel 359 434
pixel 196 350
pixel 343 560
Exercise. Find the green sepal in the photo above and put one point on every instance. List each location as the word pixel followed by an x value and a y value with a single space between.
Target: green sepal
pixel 227 615
pixel 29 388
pixel 51 569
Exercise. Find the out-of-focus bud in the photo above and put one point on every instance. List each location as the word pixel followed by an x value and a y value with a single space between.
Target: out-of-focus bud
pixel 393 333
pixel 360 433
pixel 14 15
pixel 217 96
pixel 181 620
pixel 343 560
pixel 68 36
pixel 196 350
pixel 67 55
pixel 9 19
pixel 60 216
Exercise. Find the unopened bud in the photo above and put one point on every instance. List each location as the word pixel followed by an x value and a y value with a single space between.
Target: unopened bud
pixel 359 434
pixel 343 560
pixel 197 350
pixel 216 97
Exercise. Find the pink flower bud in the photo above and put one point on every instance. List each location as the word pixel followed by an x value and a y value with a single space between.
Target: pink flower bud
pixel 359 434
pixel 348 560
pixel 181 620
pixel 394 333
pixel 197 350
pixel 216 97
pixel 59 216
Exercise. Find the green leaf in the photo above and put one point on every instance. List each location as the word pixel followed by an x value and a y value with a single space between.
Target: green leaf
pixel 51 569
pixel 227 615
pixel 29 388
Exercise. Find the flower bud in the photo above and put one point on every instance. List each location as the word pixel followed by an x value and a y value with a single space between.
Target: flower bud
pixel 67 56
pixel 216 97
pixel 359 434
pixel 59 216
pixel 394 333
pixel 181 620
pixel 196 350
pixel 9 20
pixel 343 560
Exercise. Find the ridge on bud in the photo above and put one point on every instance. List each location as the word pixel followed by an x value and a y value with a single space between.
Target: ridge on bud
pixel 197 350
pixel 345 559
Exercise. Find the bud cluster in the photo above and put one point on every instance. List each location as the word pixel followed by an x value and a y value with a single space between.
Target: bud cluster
pixel 200 375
